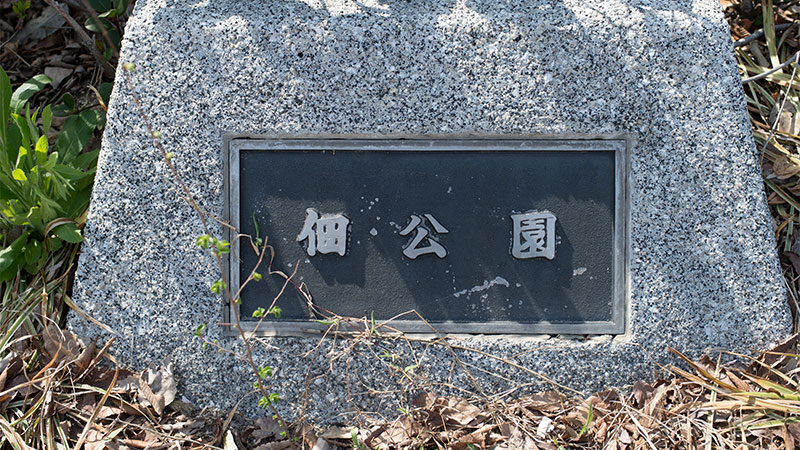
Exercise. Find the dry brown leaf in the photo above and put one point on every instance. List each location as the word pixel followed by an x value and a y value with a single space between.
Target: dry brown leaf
pixel 267 427
pixel 481 438
pixel 280 445
pixel 546 402
pixel 773 357
pixel 736 380
pixel 785 167
pixel 86 404
pixel 9 368
pixel 108 411
pixel 143 444
pixel 788 440
pixel 642 392
pixel 624 437
pixel 46 23
pixel 654 409
pixel 425 401
pixel 126 385
pixel 86 356
pixel 158 387
pixel 454 411
pixel 396 434
pixel 601 432
pixel 18 380
pixel 94 440
pixel 337 433
pixel 60 342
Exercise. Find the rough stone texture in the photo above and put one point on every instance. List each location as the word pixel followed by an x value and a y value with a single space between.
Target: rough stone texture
pixel 704 272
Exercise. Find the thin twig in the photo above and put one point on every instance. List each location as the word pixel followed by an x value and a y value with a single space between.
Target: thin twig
pixel 85 40
pixel 758 33
pixel 102 29
pixel 771 71
pixel 190 199
pixel 795 58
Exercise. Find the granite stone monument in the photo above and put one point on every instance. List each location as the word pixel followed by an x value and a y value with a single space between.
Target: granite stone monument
pixel 605 194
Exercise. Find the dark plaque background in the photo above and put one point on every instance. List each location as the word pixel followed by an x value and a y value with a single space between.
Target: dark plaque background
pixel 472 194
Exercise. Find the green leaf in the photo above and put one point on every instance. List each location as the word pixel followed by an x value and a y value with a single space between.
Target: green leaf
pixel 50 208
pixel 41 149
pixel 34 218
pixel 265 372
pixel 95 117
pixel 19 175
pixel 69 101
pixel 27 90
pixel 105 92
pixel 276 311
pixel 78 202
pixel 217 286
pixel 61 110
pixel 11 271
pixel 101 6
pixel 68 232
pixel 5 104
pixel 10 254
pixel 91 25
pixel 47 119
pixel 203 241
pixel 69 172
pixel 121 6
pixel 31 119
pixel 74 135
pixel 6 193
pixel 199 330
pixel 13 143
pixel 33 251
pixel 85 160
pixel 24 130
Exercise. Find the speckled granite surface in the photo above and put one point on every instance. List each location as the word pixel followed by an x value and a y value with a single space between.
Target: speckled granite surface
pixel 703 274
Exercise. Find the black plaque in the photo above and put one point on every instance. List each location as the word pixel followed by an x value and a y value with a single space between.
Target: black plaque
pixel 478 236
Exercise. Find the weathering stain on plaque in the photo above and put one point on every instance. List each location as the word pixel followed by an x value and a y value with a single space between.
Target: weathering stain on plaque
pixel 516 236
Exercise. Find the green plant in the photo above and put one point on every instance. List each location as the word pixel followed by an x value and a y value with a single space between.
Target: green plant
pixel 108 15
pixel 589 417
pixel 354 440
pixel 20 8
pixel 44 185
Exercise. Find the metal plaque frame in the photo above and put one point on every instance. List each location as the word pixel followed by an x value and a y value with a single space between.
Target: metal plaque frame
pixel 618 144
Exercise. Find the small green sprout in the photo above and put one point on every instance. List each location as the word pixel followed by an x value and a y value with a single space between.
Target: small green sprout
pixel 217 286
pixel 221 246
pixel 259 312
pixel 256 276
pixel 20 8
pixel 156 135
pixel 128 66
pixel 265 371
pixel 198 332
pixel 203 241
pixel 276 311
